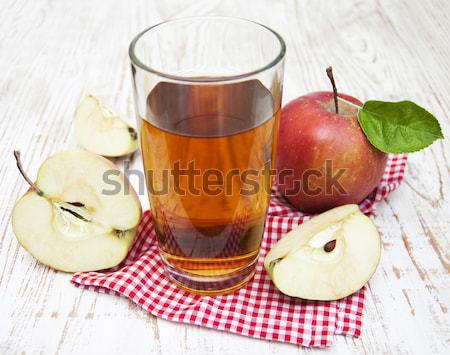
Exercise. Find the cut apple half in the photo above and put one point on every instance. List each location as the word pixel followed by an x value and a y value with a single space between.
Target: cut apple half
pixel 100 131
pixel 326 258
pixel 79 215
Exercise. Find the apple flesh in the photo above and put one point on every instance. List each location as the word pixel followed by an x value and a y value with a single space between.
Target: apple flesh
pixel 326 258
pixel 102 132
pixel 318 147
pixel 75 226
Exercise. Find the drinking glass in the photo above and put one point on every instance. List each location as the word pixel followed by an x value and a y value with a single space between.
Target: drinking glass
pixel 208 94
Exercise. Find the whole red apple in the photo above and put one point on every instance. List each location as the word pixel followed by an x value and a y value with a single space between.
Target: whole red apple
pixel 324 158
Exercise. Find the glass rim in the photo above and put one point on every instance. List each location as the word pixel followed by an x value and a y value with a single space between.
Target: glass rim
pixel 135 60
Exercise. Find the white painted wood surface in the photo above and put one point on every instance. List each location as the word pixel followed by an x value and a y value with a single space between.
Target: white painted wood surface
pixel 52 53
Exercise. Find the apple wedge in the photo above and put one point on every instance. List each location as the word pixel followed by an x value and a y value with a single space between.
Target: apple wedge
pixel 69 221
pixel 326 258
pixel 102 132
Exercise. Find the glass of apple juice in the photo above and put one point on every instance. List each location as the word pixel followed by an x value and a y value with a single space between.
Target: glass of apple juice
pixel 208 95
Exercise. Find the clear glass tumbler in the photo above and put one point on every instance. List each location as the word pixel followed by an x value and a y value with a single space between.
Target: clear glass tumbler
pixel 208 96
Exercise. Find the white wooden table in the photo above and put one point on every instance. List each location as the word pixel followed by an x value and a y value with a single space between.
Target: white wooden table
pixel 52 53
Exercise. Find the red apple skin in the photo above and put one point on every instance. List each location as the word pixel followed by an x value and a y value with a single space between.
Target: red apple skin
pixel 310 133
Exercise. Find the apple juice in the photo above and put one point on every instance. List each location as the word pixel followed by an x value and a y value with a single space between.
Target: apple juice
pixel 208 151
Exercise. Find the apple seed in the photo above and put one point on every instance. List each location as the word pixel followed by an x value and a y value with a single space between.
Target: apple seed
pixel 329 247
pixel 73 213
pixel 76 204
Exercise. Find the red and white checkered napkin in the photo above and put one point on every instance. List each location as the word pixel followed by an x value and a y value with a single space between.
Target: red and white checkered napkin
pixel 258 309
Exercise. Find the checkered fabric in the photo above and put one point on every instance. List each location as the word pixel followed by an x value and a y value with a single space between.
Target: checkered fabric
pixel 258 309
pixel 233 246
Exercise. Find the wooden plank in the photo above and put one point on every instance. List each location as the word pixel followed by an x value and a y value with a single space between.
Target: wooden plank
pixel 56 52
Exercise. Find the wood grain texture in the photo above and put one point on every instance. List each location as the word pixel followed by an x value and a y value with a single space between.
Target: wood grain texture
pixel 52 53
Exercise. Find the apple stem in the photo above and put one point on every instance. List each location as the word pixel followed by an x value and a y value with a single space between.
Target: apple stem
pixel 333 84
pixel 25 176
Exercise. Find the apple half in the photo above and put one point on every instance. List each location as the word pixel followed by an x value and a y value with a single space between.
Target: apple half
pixel 69 221
pixel 100 131
pixel 326 258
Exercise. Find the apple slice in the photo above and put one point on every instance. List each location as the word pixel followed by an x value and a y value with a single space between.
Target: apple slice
pixel 100 131
pixel 68 220
pixel 326 258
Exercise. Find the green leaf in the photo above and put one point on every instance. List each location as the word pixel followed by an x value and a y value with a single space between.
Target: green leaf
pixel 398 127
